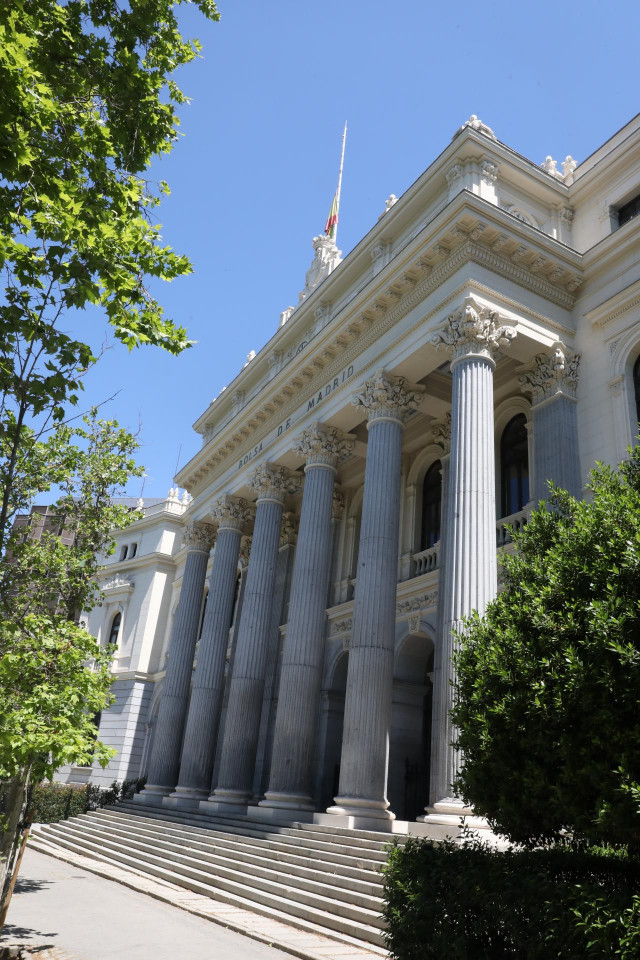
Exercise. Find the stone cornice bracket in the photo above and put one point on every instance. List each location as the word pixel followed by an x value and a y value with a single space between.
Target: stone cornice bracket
pixel 199 536
pixel 232 513
pixel 388 398
pixel 551 374
pixel 473 330
pixel 442 433
pixel 288 530
pixel 323 446
pixel 272 482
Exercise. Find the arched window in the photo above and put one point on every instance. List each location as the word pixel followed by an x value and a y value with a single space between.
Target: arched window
pixel 115 630
pixel 514 465
pixel 636 388
pixel 431 506
pixel 123 552
pixel 133 551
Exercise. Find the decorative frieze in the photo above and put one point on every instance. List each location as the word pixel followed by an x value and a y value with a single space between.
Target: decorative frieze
pixel 388 397
pixel 271 482
pixel 232 512
pixel 323 445
pixel 474 329
pixel 199 536
pixel 420 602
pixel 550 374
pixel 118 583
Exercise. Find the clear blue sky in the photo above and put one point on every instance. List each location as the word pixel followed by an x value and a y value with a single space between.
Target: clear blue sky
pixel 253 176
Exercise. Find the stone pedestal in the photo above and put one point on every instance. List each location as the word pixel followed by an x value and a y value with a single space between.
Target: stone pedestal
pixel 469 575
pixel 552 381
pixel 198 751
pixel 290 783
pixel 242 724
pixel 364 762
pixel 165 758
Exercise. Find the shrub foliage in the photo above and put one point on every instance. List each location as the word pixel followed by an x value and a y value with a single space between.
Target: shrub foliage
pixel 51 802
pixel 472 902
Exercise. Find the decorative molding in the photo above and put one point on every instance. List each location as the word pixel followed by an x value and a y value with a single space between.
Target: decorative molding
pixel 337 506
pixel 245 552
pixel 441 430
pixel 343 626
pixel 473 329
pixel 385 396
pixel 237 401
pixel 551 374
pixel 272 482
pixel 454 175
pixel 323 445
pixel 412 604
pixel 119 582
pixel 232 512
pixel 199 536
pixel 288 530
pixel 489 171
pixel 414 623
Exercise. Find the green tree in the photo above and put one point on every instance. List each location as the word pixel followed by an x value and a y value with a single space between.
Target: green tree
pixel 86 101
pixel 548 681
pixel 54 678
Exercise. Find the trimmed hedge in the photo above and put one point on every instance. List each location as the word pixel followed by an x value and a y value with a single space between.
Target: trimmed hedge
pixel 471 902
pixel 51 802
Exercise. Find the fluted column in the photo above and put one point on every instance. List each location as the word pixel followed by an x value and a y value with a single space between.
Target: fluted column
pixel 242 724
pixel 301 677
pixel 552 380
pixel 439 730
pixel 365 745
pixel 165 756
pixel 473 335
pixel 198 751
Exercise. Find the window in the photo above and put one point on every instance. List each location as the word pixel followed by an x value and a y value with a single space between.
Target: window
pixel 133 550
pixel 514 466
pixel 123 552
pixel 431 506
pixel 114 633
pixel 636 387
pixel 628 211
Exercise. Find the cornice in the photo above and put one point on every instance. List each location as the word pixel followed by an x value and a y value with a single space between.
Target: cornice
pixel 126 567
pixel 609 310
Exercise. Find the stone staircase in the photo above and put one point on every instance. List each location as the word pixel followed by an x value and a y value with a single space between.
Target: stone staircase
pixel 320 879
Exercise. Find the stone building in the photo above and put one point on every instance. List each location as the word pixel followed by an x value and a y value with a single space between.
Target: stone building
pixel 284 636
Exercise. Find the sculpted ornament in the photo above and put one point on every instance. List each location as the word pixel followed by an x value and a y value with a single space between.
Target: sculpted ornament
pixel 326 259
pixel 442 433
pixel 245 551
pixel 199 536
pixel 323 445
pixel 478 125
pixel 288 530
pixel 273 483
pixel 551 374
pixel 337 506
pixel 389 397
pixel 473 330
pixel 232 512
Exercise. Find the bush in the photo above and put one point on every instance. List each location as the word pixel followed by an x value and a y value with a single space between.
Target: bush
pixel 51 802
pixel 472 902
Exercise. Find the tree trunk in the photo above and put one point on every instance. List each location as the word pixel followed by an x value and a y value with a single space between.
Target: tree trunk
pixel 15 827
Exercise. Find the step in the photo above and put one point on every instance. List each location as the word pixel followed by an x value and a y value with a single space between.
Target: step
pixel 336 852
pixel 211 850
pixel 263 876
pixel 366 839
pixel 259 901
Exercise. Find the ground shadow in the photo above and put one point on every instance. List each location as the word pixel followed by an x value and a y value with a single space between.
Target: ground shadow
pixel 25 885
pixel 23 934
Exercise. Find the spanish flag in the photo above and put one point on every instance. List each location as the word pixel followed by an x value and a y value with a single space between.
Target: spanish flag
pixel 332 219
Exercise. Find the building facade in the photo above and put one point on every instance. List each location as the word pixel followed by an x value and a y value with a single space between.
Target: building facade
pixel 285 635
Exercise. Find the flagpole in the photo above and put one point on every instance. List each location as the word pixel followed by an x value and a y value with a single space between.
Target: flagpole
pixel 338 191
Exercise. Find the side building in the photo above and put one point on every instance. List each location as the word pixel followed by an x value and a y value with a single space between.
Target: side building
pixel 284 641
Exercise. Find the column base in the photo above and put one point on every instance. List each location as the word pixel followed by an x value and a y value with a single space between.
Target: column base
pixel 288 801
pixel 152 794
pixel 271 814
pixel 185 798
pixel 449 812
pixel 216 807
pixel 359 814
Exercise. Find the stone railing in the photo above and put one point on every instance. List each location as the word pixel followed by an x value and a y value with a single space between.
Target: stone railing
pixel 426 560
pixel 516 521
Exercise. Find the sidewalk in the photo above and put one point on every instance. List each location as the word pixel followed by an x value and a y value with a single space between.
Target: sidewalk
pixel 61 912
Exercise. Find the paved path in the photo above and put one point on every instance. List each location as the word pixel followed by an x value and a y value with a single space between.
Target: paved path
pixel 61 912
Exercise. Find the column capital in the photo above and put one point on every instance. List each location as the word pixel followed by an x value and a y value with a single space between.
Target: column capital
pixel 321 445
pixel 551 374
pixel 272 482
pixel 232 513
pixel 441 430
pixel 388 398
pixel 474 330
pixel 199 536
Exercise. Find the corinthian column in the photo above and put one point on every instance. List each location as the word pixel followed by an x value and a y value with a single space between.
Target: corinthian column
pixel 165 756
pixel 242 723
pixel 299 696
pixel 473 335
pixel 367 714
pixel 552 380
pixel 198 751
